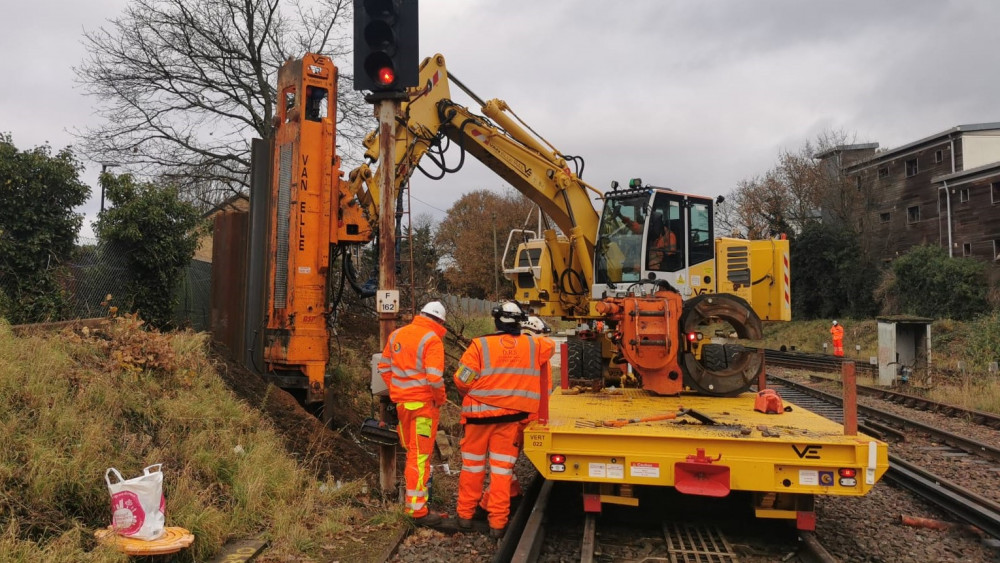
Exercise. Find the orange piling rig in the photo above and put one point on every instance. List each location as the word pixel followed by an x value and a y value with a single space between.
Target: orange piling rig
pixel 311 209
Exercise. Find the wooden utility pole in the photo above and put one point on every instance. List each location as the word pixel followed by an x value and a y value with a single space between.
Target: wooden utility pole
pixel 387 110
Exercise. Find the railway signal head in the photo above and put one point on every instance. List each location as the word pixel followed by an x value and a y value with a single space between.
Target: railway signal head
pixel 385 46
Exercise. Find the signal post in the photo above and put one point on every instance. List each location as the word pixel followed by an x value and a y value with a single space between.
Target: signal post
pixel 386 63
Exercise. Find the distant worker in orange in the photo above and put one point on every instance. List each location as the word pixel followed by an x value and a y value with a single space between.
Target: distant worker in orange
pixel 837 332
pixel 412 366
pixel 499 376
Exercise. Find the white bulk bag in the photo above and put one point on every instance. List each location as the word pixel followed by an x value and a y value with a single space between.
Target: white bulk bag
pixel 137 505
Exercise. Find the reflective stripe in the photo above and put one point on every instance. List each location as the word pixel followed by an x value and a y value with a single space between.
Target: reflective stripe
pixel 473 457
pixel 502 457
pixel 415 493
pixel 479 409
pixel 437 384
pixel 420 351
pixel 504 393
pixel 483 345
pixel 511 371
pixel 497 470
pixel 416 505
pixel 434 371
pixel 407 383
pixel 474 468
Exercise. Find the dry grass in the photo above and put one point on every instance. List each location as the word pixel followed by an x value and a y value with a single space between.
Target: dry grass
pixel 74 404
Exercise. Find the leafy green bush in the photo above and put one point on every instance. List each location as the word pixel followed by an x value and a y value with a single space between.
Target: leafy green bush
pixel 37 228
pixel 927 282
pixel 157 231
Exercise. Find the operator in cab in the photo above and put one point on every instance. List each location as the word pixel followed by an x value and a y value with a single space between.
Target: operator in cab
pixel 412 366
pixel 499 377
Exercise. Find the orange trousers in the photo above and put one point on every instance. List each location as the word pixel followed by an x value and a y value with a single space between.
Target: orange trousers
pixel 515 485
pixel 499 443
pixel 418 424
pixel 838 347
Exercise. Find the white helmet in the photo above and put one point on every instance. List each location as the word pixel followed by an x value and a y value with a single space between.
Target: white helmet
pixel 536 325
pixel 510 312
pixel 434 310
pixel 834 323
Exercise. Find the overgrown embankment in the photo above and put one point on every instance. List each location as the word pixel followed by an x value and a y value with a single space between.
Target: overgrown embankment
pixel 73 404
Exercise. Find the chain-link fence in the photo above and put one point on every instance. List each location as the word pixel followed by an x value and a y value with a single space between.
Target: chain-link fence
pixel 97 271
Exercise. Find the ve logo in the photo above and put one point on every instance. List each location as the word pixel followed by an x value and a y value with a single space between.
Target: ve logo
pixel 808 452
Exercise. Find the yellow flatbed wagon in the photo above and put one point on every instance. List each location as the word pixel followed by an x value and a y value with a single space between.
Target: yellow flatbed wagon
pixel 700 445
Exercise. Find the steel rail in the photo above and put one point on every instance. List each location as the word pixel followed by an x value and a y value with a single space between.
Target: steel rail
pixel 812 551
pixel 987 419
pixel 967 505
pixel 959 501
pixel 961 442
pixel 526 523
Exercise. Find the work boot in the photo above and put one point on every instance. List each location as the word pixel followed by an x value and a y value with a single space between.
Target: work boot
pixel 465 523
pixel 429 519
pixel 497 533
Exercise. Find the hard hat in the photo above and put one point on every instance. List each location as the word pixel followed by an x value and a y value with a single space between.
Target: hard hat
pixel 536 325
pixel 435 310
pixel 509 312
pixel 835 323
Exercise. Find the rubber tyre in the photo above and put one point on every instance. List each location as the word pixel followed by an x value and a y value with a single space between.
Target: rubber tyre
pixel 591 365
pixel 714 357
pixel 574 358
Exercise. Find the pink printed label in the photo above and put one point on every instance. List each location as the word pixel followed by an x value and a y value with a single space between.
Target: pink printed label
pixel 127 515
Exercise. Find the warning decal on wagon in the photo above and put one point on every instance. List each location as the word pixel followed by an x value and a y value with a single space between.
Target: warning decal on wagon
pixel 645 469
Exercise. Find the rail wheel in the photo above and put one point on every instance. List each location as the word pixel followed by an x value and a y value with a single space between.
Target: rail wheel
pixel 723 369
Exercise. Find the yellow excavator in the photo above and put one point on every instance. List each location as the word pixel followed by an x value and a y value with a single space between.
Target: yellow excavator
pixel 647 266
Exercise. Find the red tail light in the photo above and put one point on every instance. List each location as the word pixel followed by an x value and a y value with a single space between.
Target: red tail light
pixel 848 472
pixel 557 458
pixel 694 336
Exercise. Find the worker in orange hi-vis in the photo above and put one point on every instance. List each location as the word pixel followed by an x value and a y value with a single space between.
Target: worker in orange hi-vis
pixel 532 326
pixel 837 333
pixel 499 376
pixel 412 366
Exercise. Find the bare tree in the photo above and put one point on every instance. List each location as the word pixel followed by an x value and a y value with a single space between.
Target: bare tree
pixel 184 86
pixel 798 190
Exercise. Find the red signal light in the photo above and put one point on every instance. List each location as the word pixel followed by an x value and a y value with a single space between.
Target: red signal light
pixel 386 75
pixel 848 472
pixel 557 458
pixel 694 336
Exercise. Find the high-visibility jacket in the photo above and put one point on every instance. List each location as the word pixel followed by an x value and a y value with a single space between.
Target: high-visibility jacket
pixel 412 363
pixel 500 377
pixel 837 332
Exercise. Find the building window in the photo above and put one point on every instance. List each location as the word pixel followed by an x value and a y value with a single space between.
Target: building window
pixel 938 156
pixel 913 214
pixel 883 172
pixel 995 190
pixel 966 249
pixel 884 217
pixel 963 195
pixel 911 167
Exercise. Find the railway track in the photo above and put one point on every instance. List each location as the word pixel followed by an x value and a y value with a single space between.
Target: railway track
pixel 817 362
pixel 546 529
pixel 969 500
pixel 916 402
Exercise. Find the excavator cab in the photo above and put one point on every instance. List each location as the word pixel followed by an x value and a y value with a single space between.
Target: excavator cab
pixel 648 234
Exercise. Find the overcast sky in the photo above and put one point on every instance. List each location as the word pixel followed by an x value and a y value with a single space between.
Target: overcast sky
pixel 692 95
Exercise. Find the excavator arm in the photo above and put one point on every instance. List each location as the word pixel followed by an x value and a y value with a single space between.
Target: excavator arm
pixel 496 139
